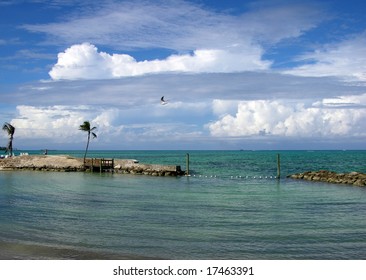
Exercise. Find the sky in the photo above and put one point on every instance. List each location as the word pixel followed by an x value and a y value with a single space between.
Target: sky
pixel 255 75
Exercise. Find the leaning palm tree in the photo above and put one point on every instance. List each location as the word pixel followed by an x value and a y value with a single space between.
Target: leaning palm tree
pixel 10 130
pixel 86 127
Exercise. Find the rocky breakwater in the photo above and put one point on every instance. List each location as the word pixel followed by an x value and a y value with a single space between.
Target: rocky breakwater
pixel 133 167
pixel 61 163
pixel 353 178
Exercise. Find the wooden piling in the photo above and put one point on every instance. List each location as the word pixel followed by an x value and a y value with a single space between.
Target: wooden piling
pixel 187 164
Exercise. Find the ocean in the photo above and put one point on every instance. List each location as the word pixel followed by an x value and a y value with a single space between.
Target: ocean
pixel 232 206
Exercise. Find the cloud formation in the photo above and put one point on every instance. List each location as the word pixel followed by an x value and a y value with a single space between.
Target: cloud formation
pixel 178 122
pixel 179 25
pixel 195 37
pixel 61 123
pixel 58 126
pixel 83 61
pixel 279 118
pixel 259 70
pixel 199 40
pixel 344 59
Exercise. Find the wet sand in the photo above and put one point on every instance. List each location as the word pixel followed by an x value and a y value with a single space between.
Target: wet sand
pixel 16 251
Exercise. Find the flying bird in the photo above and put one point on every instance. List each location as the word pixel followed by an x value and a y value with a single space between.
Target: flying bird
pixel 162 101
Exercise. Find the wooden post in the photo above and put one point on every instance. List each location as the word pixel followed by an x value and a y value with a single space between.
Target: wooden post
pixel 187 164
pixel 101 165
pixel 278 166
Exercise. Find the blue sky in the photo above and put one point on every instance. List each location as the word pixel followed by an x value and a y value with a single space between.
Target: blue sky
pixel 237 74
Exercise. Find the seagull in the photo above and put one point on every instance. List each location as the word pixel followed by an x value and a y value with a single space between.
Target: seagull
pixel 162 101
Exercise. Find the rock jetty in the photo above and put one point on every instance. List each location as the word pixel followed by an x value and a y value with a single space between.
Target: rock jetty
pixel 133 167
pixel 65 163
pixel 353 178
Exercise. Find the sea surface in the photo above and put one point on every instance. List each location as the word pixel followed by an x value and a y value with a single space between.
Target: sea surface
pixel 232 206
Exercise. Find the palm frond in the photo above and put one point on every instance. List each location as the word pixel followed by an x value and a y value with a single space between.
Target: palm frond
pixel 9 128
pixel 85 126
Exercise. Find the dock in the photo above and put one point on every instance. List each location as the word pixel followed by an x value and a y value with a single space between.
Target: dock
pixel 99 165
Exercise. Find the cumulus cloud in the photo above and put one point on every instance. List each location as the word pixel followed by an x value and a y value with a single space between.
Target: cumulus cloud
pixel 279 118
pixel 56 124
pixel 84 61
pixel 246 106
pixel 344 59
pixel 61 123
pixel 200 38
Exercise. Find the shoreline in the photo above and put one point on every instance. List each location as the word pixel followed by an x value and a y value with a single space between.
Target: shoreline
pixel 32 251
pixel 66 163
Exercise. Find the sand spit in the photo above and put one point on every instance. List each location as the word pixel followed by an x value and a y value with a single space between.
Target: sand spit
pixel 42 163
pixel 353 178
pixel 65 163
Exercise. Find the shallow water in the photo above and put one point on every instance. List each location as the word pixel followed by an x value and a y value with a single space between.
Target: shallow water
pixel 227 209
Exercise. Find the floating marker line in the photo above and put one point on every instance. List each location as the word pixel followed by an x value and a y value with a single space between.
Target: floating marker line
pixel 247 177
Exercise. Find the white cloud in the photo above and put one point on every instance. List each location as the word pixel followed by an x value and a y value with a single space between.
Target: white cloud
pixel 54 125
pixel 83 61
pixel 345 59
pixel 202 39
pixel 128 113
pixel 280 118
pixel 61 123
pixel 343 101
pixel 179 25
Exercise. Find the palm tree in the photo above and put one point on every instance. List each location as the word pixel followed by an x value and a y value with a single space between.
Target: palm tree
pixel 10 130
pixel 86 127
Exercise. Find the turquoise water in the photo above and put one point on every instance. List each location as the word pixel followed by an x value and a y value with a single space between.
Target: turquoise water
pixel 230 208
